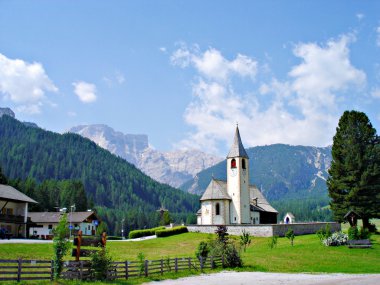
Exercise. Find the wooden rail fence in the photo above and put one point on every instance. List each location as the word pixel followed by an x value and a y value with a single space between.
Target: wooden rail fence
pixel 20 270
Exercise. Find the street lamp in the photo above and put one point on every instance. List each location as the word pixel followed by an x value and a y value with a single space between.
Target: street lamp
pixel 71 215
pixel 122 228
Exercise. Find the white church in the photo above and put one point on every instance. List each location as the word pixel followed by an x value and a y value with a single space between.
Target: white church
pixel 235 201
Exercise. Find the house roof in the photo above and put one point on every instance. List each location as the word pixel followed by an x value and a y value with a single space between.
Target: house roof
pixel 9 193
pixel 216 190
pixel 54 217
pixel 290 215
pixel 237 148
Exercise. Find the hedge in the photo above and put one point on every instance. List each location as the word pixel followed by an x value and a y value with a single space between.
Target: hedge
pixel 144 233
pixel 171 232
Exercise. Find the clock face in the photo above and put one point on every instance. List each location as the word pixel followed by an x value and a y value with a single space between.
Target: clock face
pixel 233 172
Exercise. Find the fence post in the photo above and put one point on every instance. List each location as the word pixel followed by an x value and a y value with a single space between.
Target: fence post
pixel 81 270
pixel 19 263
pixel 126 270
pixel 212 262
pixel 162 266
pixel 52 270
pixel 222 260
pixel 189 262
pixel 146 268
pixel 201 262
pixel 176 265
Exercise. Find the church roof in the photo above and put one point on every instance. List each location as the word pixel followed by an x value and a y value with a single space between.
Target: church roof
pixel 237 148
pixel 216 190
pixel 261 200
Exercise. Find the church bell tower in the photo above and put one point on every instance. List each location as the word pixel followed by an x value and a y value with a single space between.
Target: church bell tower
pixel 238 182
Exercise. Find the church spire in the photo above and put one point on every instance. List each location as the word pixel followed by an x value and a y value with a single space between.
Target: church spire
pixel 237 148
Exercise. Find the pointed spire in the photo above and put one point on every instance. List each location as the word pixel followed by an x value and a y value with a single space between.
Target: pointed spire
pixel 237 148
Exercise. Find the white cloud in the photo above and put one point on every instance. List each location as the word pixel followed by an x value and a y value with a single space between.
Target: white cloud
pixel 162 49
pixel 300 110
pixel 86 92
pixel 376 93
pixel 378 36
pixel 24 84
pixel 213 65
pixel 360 16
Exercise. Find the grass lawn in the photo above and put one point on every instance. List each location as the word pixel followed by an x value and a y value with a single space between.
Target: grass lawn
pixel 307 254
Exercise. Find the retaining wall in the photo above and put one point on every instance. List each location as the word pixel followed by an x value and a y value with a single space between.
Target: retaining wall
pixel 268 230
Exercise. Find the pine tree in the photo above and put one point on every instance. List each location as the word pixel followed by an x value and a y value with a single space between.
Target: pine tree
pixel 3 179
pixel 354 182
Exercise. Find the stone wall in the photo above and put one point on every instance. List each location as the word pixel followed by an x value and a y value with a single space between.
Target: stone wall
pixel 268 230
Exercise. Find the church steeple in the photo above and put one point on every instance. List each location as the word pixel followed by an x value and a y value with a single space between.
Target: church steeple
pixel 237 148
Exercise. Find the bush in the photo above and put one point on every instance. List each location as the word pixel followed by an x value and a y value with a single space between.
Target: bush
pixel 364 233
pixel 101 263
pixel 202 250
pixel 61 244
pixel 144 233
pixel 353 233
pixel 324 233
pixel 245 239
pixel 171 232
pixel 114 238
pixel 336 239
pixel 272 242
pixel 290 235
pixel 372 228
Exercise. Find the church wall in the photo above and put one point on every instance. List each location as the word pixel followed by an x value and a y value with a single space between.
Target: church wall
pixel 206 208
pixel 268 230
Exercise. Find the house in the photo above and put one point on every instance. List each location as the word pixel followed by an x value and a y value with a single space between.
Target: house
pixel 45 222
pixel 14 211
pixel 235 201
pixel 289 218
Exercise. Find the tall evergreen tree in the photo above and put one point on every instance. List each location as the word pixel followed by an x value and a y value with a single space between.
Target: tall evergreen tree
pixel 354 182
pixel 3 179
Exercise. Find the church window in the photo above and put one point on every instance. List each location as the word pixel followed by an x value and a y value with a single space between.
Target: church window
pixel 233 163
pixel 217 209
pixel 243 164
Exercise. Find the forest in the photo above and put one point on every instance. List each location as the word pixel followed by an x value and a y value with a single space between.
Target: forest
pixel 115 188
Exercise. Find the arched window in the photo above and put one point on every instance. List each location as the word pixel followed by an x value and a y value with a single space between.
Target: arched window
pixel 243 164
pixel 217 209
pixel 233 163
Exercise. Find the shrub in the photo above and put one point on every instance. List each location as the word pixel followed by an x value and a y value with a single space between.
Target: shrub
pixel 336 239
pixel 324 233
pixel 61 244
pixel 290 235
pixel 202 250
pixel 101 263
pixel 245 239
pixel 141 261
pixel 353 233
pixel 364 233
pixel 171 232
pixel 272 243
pixel 144 233
pixel 231 256
pixel 114 238
pixel 372 228
pixel 221 232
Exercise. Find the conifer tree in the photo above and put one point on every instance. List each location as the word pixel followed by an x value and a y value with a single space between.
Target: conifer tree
pixel 354 182
pixel 3 179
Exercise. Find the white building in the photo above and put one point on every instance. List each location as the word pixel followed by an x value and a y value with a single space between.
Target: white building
pixel 14 211
pixel 235 201
pixel 289 218
pixel 45 222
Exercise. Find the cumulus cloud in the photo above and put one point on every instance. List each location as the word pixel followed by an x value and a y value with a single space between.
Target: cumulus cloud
pixel 213 65
pixel 302 109
pixel 86 92
pixel 24 84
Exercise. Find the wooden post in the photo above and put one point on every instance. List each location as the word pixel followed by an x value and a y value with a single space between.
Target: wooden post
pixel 19 263
pixel 162 266
pixel 222 260
pixel 201 262
pixel 146 268
pixel 176 265
pixel 126 270
pixel 189 262
pixel 78 245
pixel 81 270
pixel 212 262
pixel 104 239
pixel 52 270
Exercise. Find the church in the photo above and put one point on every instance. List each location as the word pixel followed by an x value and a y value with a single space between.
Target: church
pixel 235 201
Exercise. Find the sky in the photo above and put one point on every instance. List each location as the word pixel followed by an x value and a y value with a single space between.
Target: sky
pixel 186 72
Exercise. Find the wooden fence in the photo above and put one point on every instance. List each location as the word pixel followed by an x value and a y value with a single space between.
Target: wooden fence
pixel 20 270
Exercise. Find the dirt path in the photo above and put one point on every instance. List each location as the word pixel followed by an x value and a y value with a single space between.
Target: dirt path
pixel 260 278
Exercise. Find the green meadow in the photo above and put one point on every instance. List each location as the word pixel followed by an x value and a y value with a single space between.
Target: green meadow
pixel 307 254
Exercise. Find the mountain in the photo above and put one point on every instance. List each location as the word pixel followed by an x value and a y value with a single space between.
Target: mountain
pixel 7 111
pixel 117 188
pixel 173 168
pixel 281 171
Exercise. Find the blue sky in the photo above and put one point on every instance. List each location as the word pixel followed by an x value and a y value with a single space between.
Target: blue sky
pixel 184 72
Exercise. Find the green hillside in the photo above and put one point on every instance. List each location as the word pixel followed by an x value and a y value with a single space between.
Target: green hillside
pixel 118 189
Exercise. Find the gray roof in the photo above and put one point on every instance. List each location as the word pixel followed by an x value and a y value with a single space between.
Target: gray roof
pixel 216 190
pixel 237 148
pixel 9 193
pixel 53 217
pixel 261 200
